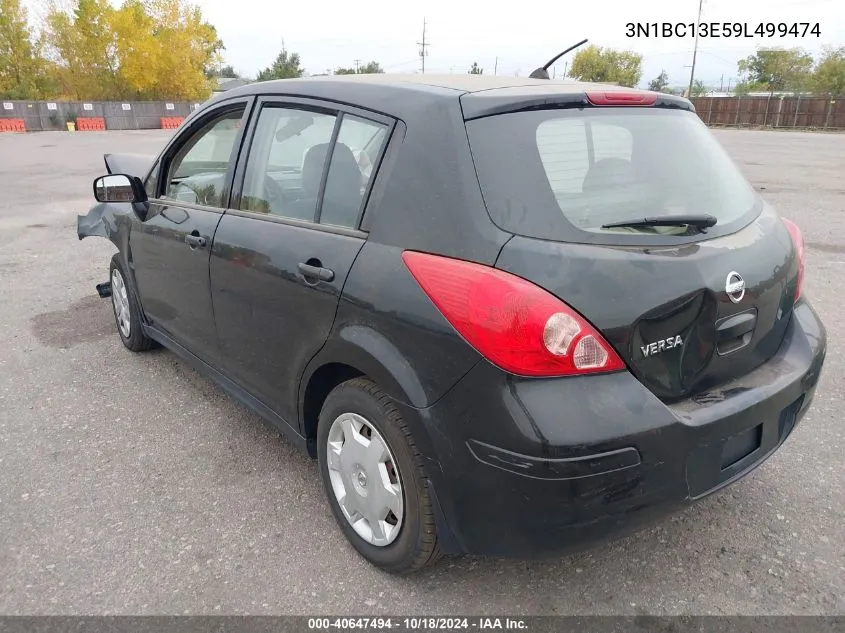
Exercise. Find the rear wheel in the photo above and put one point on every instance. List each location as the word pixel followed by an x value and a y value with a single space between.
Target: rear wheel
pixel 127 313
pixel 374 480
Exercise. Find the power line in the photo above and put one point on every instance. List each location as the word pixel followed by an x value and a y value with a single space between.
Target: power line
pixel 423 45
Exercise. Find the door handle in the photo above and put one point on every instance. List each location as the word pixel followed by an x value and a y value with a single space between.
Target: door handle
pixel 735 332
pixel 316 272
pixel 195 240
pixel 736 326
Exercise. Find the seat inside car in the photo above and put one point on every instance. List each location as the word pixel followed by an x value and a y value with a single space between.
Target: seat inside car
pixel 343 189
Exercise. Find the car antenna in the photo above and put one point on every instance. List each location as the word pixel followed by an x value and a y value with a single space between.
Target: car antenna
pixel 543 72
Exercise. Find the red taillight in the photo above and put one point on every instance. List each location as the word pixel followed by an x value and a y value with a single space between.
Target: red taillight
pixel 513 323
pixel 798 242
pixel 620 97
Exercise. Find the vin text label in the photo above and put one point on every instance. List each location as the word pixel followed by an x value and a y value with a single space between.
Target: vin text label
pixel 722 29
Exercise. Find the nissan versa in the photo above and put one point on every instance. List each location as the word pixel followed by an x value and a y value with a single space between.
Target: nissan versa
pixel 507 316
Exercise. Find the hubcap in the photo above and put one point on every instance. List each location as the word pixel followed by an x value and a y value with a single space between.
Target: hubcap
pixel 365 479
pixel 120 300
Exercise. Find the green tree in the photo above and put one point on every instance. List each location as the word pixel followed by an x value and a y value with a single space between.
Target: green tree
pixel 285 66
pixel 829 75
pixel 744 87
pixel 659 83
pixel 779 70
pixel 370 68
pixel 228 72
pixel 606 65
pixel 224 72
pixel 82 44
pixel 699 89
pixel 20 65
pixel 475 70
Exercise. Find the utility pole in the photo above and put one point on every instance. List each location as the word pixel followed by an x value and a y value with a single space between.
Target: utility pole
pixel 721 82
pixel 496 65
pixel 357 65
pixel 695 50
pixel 565 69
pixel 423 45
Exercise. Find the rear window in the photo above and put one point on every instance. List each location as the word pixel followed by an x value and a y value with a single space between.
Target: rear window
pixel 562 174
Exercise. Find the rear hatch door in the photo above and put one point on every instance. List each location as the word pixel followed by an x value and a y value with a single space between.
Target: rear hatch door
pixel 686 307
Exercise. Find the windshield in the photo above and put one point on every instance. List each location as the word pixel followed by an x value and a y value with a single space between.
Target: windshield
pixel 558 173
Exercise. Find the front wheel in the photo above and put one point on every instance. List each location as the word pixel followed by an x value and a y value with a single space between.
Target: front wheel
pixel 374 480
pixel 127 313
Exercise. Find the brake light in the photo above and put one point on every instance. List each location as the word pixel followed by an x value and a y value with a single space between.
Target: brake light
pixel 513 323
pixel 620 97
pixel 798 242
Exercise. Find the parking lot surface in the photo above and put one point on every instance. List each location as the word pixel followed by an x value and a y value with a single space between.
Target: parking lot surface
pixel 130 484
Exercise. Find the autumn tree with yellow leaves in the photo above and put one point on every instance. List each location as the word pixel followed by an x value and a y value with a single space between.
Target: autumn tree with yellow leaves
pixel 22 69
pixel 91 50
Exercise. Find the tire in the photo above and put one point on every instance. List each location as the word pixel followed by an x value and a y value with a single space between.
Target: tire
pixel 127 313
pixel 412 543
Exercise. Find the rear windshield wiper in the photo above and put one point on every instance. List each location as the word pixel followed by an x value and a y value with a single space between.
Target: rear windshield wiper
pixel 700 222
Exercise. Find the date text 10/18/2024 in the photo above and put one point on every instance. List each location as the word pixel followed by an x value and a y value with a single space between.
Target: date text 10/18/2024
pixel 420 623
pixel 722 29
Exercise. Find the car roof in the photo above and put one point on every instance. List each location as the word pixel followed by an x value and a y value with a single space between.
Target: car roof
pixel 396 93
pixel 410 83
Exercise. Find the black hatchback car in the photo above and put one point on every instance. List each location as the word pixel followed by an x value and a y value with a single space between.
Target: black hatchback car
pixel 507 316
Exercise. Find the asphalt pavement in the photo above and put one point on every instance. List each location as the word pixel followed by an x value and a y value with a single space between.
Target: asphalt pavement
pixel 129 484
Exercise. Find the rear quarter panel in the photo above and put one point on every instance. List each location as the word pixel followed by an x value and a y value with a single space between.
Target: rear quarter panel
pixel 388 329
pixel 425 197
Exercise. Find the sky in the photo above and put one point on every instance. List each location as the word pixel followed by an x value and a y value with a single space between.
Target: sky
pixel 516 39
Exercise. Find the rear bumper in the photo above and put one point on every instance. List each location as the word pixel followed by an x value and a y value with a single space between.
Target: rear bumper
pixel 525 467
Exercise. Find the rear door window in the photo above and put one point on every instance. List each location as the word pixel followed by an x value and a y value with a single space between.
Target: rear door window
pixel 358 146
pixel 286 173
pixel 287 157
pixel 558 174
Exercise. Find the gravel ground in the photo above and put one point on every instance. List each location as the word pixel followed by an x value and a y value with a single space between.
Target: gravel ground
pixel 132 485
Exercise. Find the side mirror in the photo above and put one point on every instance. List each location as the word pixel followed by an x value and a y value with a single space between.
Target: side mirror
pixel 123 188
pixel 119 188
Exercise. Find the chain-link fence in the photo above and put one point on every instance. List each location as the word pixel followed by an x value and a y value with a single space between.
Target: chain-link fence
pixel 129 115
pixel 779 111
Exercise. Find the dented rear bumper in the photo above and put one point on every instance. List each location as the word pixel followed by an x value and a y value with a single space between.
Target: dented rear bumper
pixel 538 466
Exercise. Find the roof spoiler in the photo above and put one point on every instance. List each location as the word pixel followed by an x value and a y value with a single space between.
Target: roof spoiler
pixel 543 72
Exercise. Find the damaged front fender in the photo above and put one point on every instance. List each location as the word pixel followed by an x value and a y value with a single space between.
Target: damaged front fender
pixel 105 219
pixel 110 220
pixel 98 222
